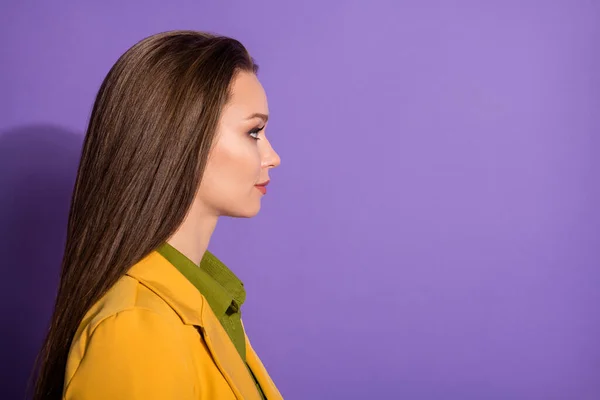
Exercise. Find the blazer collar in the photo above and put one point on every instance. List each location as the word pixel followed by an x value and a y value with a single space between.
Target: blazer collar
pixel 160 276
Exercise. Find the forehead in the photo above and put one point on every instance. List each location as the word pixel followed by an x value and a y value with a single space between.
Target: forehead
pixel 247 96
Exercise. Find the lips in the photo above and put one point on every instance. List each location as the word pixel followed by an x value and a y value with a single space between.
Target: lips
pixel 262 187
pixel 265 183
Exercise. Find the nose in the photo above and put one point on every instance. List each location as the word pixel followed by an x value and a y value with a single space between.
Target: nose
pixel 271 159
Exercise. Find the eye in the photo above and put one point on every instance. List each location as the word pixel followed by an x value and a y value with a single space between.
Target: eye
pixel 254 132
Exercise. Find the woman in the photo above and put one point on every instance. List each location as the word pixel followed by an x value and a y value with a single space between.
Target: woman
pixel 176 140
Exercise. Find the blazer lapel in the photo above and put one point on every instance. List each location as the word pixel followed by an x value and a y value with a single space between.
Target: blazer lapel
pixel 227 357
pixel 260 372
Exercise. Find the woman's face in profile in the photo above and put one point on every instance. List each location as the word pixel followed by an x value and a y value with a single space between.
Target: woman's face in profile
pixel 241 156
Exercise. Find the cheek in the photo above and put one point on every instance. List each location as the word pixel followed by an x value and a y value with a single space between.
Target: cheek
pixel 235 162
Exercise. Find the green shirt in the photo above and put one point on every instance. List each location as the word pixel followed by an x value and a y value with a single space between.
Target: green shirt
pixel 223 290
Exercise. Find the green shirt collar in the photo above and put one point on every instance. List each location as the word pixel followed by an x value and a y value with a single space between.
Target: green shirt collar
pixel 222 289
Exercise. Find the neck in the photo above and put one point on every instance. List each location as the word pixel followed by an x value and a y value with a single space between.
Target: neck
pixel 193 236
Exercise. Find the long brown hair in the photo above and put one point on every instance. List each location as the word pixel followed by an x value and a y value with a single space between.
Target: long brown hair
pixel 146 147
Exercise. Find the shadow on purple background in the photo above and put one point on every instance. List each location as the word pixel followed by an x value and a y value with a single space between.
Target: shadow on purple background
pixel 38 166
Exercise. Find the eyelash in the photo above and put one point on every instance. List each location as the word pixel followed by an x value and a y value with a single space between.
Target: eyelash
pixel 255 131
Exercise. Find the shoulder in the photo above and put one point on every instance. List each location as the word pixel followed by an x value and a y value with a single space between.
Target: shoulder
pixel 129 316
pixel 135 353
pixel 129 341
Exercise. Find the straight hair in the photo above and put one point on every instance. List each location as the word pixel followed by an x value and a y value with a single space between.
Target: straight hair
pixel 152 126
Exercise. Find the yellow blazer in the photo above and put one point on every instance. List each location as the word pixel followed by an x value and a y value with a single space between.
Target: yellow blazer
pixel 154 336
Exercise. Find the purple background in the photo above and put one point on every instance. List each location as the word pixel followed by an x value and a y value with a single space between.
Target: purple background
pixel 433 231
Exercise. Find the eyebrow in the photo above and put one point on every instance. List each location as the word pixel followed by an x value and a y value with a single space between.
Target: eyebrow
pixel 262 116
